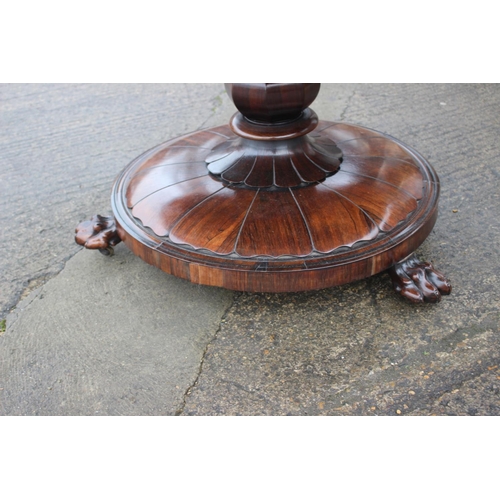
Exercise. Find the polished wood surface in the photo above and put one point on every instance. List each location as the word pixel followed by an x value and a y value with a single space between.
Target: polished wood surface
pixel 98 233
pixel 369 193
pixel 371 213
pixel 418 281
pixel 272 102
pixel 279 201
pixel 278 164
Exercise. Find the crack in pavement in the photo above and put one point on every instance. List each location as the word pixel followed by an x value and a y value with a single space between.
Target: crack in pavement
pixel 180 410
pixel 347 106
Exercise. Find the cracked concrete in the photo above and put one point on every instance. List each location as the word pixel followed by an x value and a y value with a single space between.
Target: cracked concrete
pixel 62 145
pixel 347 106
pixel 113 336
pixel 79 346
pixel 180 410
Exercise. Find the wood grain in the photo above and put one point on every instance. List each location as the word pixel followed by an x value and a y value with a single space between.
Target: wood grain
pixel 243 228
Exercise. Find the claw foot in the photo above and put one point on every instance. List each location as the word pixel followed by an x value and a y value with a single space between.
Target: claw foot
pixel 418 281
pixel 98 233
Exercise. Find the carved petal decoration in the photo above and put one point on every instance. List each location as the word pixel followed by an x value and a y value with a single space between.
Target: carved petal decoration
pixel 280 164
pixel 299 201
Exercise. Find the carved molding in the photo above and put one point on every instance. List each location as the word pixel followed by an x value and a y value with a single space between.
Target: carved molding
pixel 274 165
pixel 98 233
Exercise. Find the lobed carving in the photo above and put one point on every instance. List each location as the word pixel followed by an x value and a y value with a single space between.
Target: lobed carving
pixel 362 198
pixel 98 233
pixel 277 201
pixel 418 281
pixel 274 164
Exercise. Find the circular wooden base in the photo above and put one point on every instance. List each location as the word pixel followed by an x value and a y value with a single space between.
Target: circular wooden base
pixel 355 203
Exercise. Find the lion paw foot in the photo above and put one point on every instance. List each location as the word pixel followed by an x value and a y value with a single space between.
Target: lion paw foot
pixel 418 281
pixel 98 233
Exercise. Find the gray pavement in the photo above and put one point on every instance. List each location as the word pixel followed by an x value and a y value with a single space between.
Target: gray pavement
pixel 89 335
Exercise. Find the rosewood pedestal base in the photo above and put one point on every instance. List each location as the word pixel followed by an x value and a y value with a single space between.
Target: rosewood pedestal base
pixel 277 202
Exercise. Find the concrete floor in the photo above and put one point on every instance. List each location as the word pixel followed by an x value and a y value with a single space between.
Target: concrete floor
pixel 99 336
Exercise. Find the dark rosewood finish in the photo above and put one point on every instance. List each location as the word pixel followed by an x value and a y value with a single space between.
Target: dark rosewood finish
pixel 272 102
pixel 98 233
pixel 372 213
pixel 278 201
pixel 418 281
pixel 273 165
